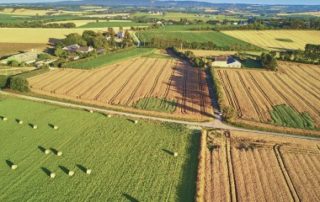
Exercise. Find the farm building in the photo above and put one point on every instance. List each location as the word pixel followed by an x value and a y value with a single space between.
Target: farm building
pixel 226 61
pixel 120 34
pixel 77 48
pixel 27 57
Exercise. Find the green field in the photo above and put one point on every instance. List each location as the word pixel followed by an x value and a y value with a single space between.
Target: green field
pixel 129 162
pixel 284 115
pixel 108 58
pixel 219 39
pixel 112 24
pixel 156 104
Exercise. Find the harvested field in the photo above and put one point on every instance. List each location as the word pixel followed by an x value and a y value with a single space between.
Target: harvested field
pixel 255 94
pixel 124 84
pixel 268 39
pixel 13 48
pixel 263 168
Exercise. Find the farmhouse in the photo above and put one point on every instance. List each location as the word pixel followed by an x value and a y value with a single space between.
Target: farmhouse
pixel 226 61
pixel 120 34
pixel 77 48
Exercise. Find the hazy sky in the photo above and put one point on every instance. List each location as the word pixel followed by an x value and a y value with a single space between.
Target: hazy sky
pixel 299 2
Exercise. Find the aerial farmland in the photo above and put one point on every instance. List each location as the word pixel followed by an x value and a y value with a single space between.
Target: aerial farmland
pixel 160 101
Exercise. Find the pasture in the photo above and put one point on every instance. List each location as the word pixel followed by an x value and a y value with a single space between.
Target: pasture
pixel 127 160
pixel 219 39
pixel 121 85
pixel 278 39
pixel 259 96
pixel 251 167
pixel 109 58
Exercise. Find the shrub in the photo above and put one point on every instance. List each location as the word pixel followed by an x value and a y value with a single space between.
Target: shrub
pixel 19 83
pixel 4 80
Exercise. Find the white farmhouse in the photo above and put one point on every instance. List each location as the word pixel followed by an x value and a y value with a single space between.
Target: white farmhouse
pixel 226 61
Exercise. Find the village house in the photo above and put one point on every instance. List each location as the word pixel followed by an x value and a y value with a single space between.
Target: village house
pixel 226 61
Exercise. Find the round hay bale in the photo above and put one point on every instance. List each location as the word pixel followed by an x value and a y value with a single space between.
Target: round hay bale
pixel 13 167
pixel 20 122
pixel 71 173
pixel 88 171
pixel 5 119
pixel 91 111
pixel 35 127
pixel 52 175
pixel 175 154
pixel 55 127
pixel 136 121
pixel 47 151
pixel 59 153
pixel 109 115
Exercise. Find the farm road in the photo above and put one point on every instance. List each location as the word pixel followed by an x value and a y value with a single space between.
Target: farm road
pixel 217 123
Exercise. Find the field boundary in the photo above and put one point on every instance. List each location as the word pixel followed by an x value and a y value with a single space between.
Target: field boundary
pixel 231 177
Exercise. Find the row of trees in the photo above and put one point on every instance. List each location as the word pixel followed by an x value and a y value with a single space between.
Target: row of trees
pixel 311 55
pixel 209 45
pixel 38 24
pixel 190 57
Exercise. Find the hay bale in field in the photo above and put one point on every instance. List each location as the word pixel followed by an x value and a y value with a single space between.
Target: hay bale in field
pixel 88 171
pixel 175 154
pixel 20 122
pixel 71 173
pixel 136 122
pixel 47 151
pixel 59 153
pixel 4 118
pixel 34 126
pixel 55 127
pixel 14 166
pixel 109 115
pixel 91 111
pixel 52 175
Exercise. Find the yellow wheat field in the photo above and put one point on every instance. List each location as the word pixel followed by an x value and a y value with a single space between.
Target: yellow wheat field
pixel 35 35
pixel 270 39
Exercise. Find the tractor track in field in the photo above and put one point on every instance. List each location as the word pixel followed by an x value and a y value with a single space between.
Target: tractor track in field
pixel 298 95
pixel 284 171
pixel 140 81
pixel 154 85
pixel 252 100
pixel 125 83
pixel 110 82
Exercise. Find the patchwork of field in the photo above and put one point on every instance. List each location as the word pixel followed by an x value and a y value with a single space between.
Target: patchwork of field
pixel 36 12
pixel 257 96
pixel 12 48
pixel 237 167
pixel 278 39
pixel 128 161
pixel 125 83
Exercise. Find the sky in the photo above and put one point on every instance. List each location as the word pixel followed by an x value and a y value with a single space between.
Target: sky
pixel 296 2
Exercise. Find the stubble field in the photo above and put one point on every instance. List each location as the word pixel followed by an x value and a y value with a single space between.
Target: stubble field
pixel 124 84
pixel 278 39
pixel 289 97
pixel 241 168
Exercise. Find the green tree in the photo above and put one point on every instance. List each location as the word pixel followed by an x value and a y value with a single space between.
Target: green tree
pixel 74 38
